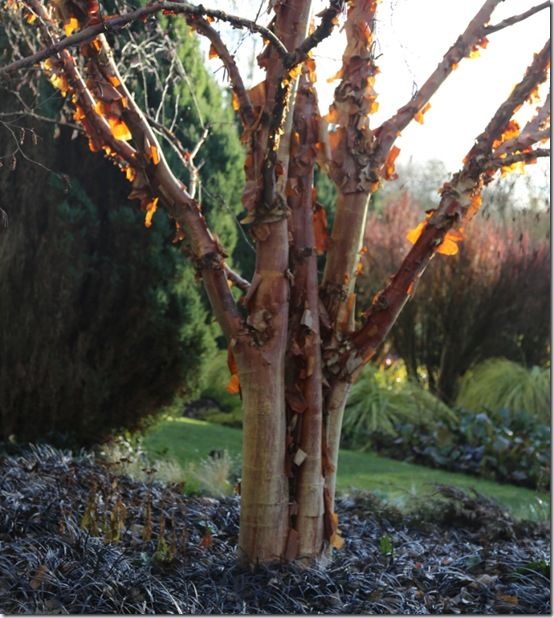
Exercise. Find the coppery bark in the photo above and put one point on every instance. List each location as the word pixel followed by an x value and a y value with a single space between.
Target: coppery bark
pixel 304 387
pixel 266 532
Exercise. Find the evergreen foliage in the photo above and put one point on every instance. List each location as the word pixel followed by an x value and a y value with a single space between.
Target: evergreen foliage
pixel 101 320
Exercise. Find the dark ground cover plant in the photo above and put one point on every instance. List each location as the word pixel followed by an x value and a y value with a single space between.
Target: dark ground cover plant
pixel 74 538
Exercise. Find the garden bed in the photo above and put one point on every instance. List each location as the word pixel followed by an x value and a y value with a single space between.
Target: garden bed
pixel 75 538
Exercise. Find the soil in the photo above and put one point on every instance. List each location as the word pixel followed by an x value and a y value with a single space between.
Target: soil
pixel 76 538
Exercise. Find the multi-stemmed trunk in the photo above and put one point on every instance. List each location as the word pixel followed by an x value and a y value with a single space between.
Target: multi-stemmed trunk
pixel 295 341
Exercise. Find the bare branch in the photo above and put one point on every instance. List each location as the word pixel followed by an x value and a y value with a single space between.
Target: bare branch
pixel 156 177
pixel 536 130
pixel 99 131
pixel 459 202
pixel 323 30
pixel 473 34
pixel 510 21
pixel 529 156
pixel 245 106
pixel 236 279
pixel 31 114
pixel 535 75
pixel 117 22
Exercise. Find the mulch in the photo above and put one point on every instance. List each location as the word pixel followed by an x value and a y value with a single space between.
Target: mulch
pixel 76 538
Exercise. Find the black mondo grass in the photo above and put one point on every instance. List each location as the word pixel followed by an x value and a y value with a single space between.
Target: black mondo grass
pixel 75 538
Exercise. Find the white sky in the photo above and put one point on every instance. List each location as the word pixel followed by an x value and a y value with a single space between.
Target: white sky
pixel 412 36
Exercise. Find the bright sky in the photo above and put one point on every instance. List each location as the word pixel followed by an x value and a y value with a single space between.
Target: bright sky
pixel 412 36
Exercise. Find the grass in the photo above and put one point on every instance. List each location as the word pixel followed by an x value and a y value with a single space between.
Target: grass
pixel 188 441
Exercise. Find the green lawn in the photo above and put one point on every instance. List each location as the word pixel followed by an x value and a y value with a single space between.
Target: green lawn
pixel 185 440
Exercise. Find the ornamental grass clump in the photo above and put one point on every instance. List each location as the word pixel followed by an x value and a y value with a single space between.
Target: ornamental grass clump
pixel 499 384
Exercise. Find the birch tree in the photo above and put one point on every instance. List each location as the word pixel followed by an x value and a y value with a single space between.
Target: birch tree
pixel 296 341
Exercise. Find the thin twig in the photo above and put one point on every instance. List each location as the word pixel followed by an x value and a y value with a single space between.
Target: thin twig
pixel 526 157
pixel 117 22
pixel 236 279
pixel 510 21
pixel 31 114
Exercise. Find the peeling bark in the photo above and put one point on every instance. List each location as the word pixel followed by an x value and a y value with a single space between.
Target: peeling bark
pixel 304 351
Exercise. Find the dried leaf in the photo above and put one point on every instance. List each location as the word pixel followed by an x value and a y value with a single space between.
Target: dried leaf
pixel 207 540
pixel 39 577
pixel 336 541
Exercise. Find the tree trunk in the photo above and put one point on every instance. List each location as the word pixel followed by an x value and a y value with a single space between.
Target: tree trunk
pixel 297 348
pixel 267 510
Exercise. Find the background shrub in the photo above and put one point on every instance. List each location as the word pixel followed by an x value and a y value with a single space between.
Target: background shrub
pixel 101 321
pixel 509 447
pixel 492 299
pixel 381 399
pixel 499 384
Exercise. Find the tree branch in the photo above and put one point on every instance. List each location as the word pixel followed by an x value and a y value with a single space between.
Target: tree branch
pixel 530 156
pixel 460 200
pixel 97 127
pixel 350 169
pixel 510 21
pixel 473 34
pixel 246 112
pixel 236 279
pixel 155 171
pixel 323 30
pixel 536 130
pixel 117 22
